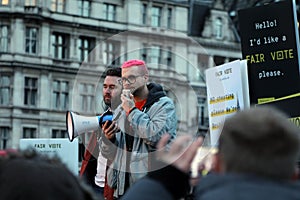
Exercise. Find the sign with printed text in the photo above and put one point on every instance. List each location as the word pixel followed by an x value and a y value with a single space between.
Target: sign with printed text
pixel 288 104
pixel 227 92
pixel 270 40
pixel 64 149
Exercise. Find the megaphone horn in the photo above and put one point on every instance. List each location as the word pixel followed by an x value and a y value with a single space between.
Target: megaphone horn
pixel 78 124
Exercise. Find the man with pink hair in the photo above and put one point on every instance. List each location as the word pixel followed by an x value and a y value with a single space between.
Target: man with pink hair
pixel 145 114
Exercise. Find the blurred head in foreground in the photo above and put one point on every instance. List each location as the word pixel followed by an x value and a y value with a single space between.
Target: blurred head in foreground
pixel 259 141
pixel 29 175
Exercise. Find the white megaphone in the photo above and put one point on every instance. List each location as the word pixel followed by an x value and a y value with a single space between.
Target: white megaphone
pixel 78 124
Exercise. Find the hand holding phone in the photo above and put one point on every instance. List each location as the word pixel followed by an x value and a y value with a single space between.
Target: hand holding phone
pixel 104 119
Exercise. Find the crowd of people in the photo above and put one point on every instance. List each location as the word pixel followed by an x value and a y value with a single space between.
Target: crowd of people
pixel 257 159
pixel 139 155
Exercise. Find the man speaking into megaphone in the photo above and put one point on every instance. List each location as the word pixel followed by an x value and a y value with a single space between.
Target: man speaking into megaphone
pixel 95 172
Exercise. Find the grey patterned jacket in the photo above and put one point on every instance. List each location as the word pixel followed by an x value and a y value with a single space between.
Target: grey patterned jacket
pixel 146 127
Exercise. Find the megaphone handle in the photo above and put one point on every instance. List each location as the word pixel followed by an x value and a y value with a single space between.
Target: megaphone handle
pixel 99 117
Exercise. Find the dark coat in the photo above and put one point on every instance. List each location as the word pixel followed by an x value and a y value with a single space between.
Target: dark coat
pixel 245 187
pixel 169 184
pixel 88 168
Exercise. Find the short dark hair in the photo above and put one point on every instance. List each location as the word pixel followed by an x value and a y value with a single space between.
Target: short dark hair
pixel 44 177
pixel 113 71
pixel 260 141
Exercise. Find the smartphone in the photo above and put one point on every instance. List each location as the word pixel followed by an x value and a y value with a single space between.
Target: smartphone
pixel 106 118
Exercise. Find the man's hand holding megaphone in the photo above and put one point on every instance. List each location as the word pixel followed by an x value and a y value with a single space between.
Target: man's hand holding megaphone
pixel 109 129
pixel 108 126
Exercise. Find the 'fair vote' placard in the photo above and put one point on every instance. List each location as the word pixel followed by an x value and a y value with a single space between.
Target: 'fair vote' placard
pixel 270 40
pixel 61 147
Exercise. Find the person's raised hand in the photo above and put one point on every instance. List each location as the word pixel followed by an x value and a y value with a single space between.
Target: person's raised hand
pixel 127 102
pixel 181 152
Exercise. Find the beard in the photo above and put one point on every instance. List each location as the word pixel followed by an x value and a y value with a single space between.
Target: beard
pixel 111 102
pixel 107 100
pixel 115 102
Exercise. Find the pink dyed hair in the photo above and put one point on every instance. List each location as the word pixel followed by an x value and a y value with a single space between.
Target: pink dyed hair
pixel 135 62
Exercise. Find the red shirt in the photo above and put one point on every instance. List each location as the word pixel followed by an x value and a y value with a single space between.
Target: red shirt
pixel 139 104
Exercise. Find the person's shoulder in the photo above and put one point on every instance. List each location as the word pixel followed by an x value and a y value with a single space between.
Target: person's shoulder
pixel 166 99
pixel 218 185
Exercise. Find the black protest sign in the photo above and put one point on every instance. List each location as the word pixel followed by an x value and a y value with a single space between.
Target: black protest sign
pixel 288 104
pixel 269 39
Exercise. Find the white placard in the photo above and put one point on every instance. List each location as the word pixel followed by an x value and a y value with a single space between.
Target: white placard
pixel 67 151
pixel 227 92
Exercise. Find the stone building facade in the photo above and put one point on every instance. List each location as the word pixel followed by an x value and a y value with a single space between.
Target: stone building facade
pixel 53 53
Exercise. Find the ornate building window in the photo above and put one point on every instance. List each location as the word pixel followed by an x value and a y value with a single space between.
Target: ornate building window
pixel 5 89
pixel 169 57
pixel 169 18
pixel 58 5
pixel 4 38
pixel 84 7
pixel 155 56
pixel 29 132
pixel 60 45
pixel 58 133
pixel 144 14
pixel 87 97
pixel 30 91
pixel 4 137
pixel 110 12
pixel 111 53
pixel 60 95
pixel 31 40
pixel 85 46
pixel 156 16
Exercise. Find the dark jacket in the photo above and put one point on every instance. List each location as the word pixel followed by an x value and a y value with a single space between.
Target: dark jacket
pixel 172 184
pixel 167 183
pixel 245 187
pixel 88 168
